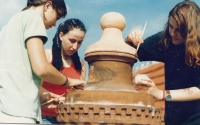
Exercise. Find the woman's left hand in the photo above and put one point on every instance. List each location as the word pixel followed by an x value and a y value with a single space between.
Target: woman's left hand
pixel 51 100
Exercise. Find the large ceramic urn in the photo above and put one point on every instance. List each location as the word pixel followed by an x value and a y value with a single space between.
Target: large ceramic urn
pixel 109 96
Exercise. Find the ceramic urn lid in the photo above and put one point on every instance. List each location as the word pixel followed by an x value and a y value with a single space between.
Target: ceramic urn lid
pixel 112 24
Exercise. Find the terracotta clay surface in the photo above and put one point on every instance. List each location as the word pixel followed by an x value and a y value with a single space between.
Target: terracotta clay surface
pixel 112 24
pixel 109 98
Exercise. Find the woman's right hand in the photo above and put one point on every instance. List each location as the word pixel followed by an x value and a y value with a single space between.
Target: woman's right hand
pixel 75 83
pixel 135 37
pixel 150 87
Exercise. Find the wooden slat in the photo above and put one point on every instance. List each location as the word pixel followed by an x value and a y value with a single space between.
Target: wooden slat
pixel 150 68
pixel 158 80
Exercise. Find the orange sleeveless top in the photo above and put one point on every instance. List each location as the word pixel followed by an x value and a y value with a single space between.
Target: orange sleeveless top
pixel 58 89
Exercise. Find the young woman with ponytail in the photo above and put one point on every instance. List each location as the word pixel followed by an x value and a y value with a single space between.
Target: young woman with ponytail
pixel 64 57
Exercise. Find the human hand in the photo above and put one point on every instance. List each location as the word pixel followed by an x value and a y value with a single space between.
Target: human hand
pixel 51 100
pixel 75 83
pixel 135 37
pixel 150 87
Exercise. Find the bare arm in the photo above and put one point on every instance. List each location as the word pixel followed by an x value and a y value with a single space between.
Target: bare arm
pixel 39 63
pixel 186 94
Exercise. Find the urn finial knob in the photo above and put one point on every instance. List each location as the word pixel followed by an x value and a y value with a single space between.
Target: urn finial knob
pixel 113 20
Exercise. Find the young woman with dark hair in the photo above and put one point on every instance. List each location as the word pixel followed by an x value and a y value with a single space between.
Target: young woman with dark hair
pixel 64 57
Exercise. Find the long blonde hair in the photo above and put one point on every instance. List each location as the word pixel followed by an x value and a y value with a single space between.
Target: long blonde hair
pixel 187 16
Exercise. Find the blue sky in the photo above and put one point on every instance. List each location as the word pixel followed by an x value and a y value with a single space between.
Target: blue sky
pixel 135 12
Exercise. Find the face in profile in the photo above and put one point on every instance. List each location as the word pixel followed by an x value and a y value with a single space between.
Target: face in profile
pixel 175 32
pixel 71 41
pixel 51 15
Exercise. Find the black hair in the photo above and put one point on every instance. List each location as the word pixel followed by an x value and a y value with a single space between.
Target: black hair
pixel 65 27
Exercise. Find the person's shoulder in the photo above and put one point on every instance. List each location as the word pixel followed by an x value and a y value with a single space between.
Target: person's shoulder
pixel 33 25
pixel 48 53
pixel 82 61
pixel 156 36
pixel 48 50
pixel 30 17
pixel 30 13
pixel 159 34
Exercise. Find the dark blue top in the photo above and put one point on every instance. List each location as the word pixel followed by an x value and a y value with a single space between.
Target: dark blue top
pixel 178 75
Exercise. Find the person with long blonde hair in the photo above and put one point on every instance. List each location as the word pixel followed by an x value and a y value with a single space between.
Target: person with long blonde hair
pixel 178 47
